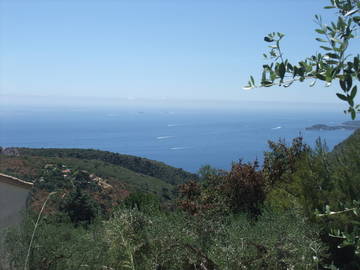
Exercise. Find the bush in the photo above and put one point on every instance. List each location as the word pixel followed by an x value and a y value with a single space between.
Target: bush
pixel 145 202
pixel 331 181
pixel 57 245
pixel 281 161
pixel 274 241
pixel 79 206
pixel 244 188
pixel 239 191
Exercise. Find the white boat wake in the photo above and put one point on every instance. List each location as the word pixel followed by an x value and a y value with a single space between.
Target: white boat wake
pixel 164 137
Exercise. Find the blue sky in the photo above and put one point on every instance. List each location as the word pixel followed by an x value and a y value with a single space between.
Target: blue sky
pixel 147 49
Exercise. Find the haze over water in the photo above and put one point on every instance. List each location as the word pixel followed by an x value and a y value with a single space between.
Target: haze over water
pixel 182 137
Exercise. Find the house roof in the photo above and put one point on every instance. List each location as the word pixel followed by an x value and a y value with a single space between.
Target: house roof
pixel 7 179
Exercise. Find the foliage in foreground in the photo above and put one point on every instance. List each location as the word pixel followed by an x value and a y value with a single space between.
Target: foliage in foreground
pixel 335 63
pixel 326 187
pixel 299 211
pixel 132 239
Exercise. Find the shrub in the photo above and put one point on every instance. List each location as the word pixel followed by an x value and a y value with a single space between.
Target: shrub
pixel 79 206
pixel 281 161
pixel 237 191
pixel 243 188
pixel 57 245
pixel 145 202
pixel 331 181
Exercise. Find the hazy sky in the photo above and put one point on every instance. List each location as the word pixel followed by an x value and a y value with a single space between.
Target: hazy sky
pixel 164 49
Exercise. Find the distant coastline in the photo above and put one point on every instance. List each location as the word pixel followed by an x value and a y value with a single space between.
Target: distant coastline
pixel 349 125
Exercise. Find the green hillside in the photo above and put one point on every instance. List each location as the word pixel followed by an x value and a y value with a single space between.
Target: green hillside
pixel 140 165
pixel 30 168
pixel 350 145
pixel 134 173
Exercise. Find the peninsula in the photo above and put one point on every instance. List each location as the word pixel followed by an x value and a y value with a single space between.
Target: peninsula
pixel 349 125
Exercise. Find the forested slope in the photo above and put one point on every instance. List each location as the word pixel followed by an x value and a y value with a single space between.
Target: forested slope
pixel 137 164
pixel 132 173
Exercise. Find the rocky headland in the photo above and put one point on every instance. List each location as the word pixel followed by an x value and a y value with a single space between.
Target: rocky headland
pixel 348 125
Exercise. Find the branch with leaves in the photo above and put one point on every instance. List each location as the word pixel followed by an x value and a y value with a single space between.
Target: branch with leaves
pixel 351 238
pixel 333 64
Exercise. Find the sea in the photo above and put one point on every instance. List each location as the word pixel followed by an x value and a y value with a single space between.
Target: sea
pixel 181 137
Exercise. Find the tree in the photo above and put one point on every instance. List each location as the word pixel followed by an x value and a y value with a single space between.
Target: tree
pixel 80 207
pixel 144 202
pixel 206 171
pixel 334 64
pixel 241 190
pixel 281 161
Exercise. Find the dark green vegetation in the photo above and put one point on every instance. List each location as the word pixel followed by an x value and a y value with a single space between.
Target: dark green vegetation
pixel 336 63
pixel 300 210
pixel 133 173
pixel 139 165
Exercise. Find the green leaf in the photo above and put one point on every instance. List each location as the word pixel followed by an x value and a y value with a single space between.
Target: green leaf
pixel 351 102
pixel 268 39
pixel 353 114
pixel 348 80
pixel 321 77
pixel 321 40
pixel 353 92
pixel 282 70
pixel 263 76
pixel 332 62
pixel 333 55
pixel 252 80
pixel 296 71
pixel 272 75
pixel 356 63
pixel 341 96
pixel 342 85
pixel 326 48
pixel 320 31
pixel 341 23
pixel 290 67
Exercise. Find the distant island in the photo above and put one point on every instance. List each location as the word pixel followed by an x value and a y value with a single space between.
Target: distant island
pixel 349 125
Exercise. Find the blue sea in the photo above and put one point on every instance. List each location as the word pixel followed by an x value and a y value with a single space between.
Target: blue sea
pixel 184 138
